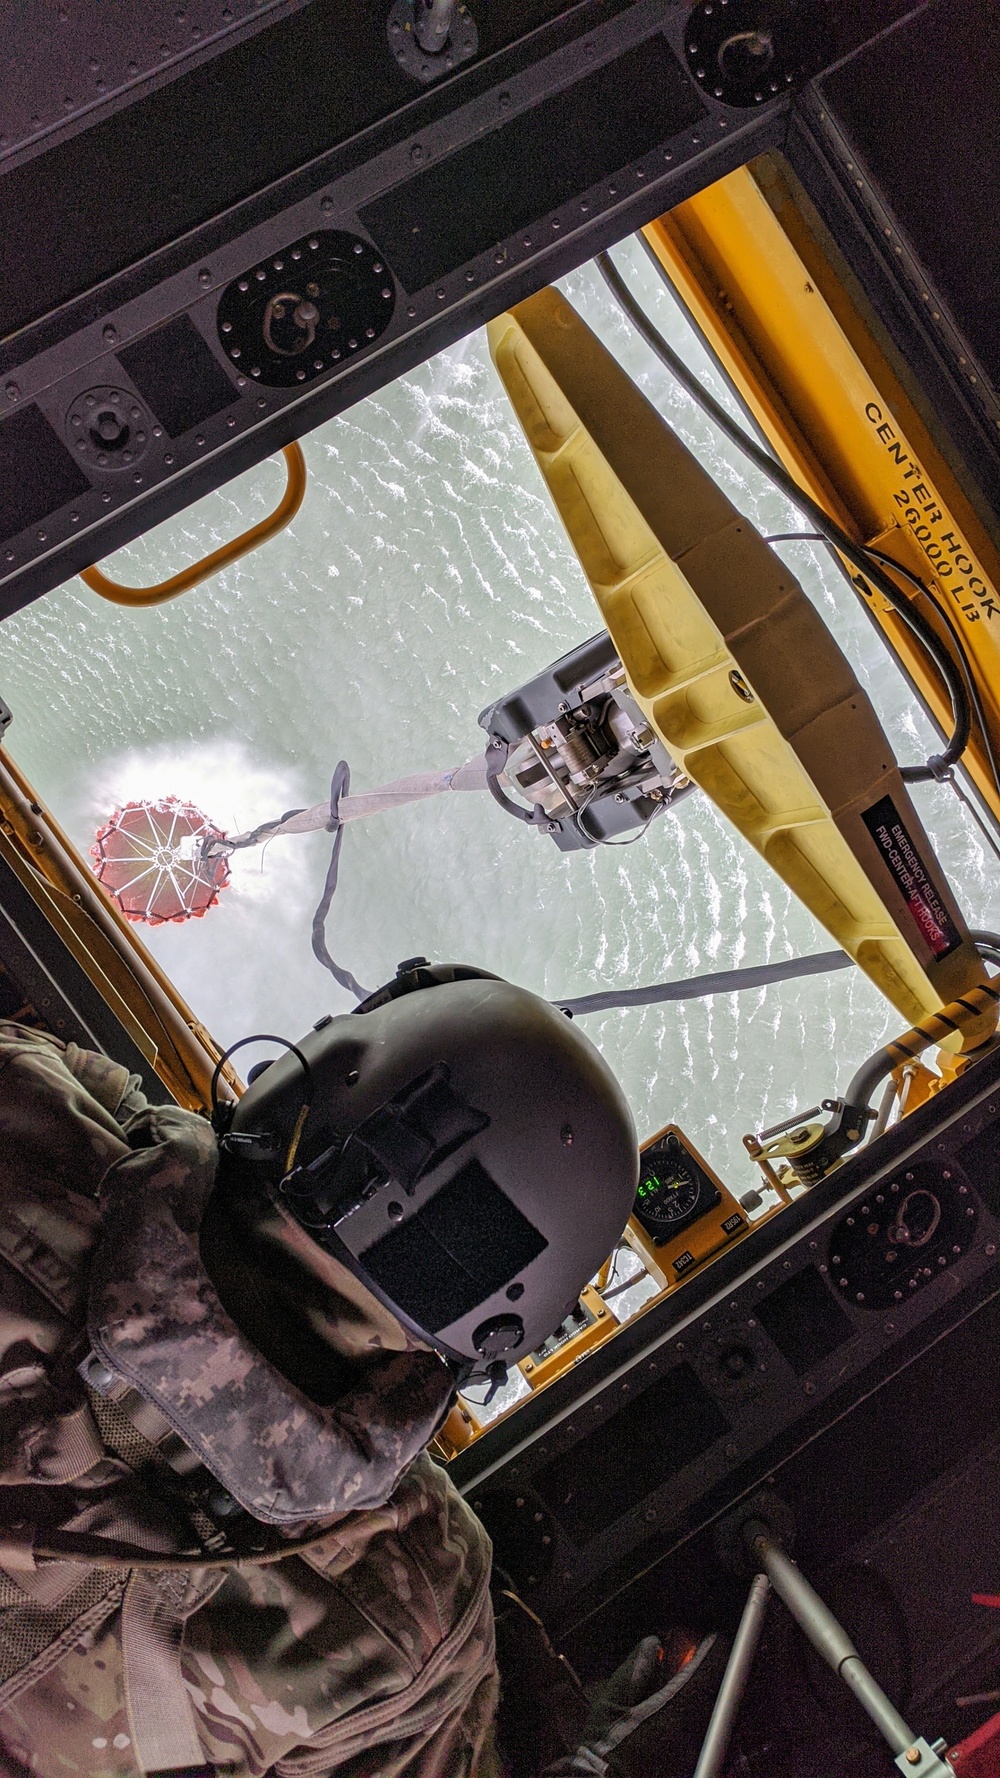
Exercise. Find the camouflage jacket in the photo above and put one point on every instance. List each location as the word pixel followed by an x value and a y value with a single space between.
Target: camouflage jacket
pixel 370 1652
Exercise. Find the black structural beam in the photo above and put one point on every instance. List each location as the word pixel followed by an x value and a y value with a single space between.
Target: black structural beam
pixel 216 256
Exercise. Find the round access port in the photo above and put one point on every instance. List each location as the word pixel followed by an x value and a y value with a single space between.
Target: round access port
pixel 736 1362
pixel 733 1361
pixel 109 428
pixel 749 52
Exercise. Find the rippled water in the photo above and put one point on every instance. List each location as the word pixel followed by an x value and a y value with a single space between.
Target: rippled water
pixel 425 575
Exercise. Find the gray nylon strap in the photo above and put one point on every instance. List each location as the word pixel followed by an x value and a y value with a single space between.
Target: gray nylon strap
pixel 164 1736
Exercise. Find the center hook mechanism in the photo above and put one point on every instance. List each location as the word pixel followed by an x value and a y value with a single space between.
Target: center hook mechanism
pixel 304 318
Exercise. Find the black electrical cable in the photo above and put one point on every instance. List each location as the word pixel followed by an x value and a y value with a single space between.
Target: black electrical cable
pixel 222 1108
pixel 972 689
pixel 598 839
pixel 797 537
pixel 733 389
pixel 856 553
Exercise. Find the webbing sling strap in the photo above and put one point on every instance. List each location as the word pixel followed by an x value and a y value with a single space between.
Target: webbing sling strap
pixel 41 1619
pixel 35 1637
pixel 160 1713
pixel 155 1603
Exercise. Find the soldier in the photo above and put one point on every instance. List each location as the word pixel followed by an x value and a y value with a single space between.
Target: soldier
pixel 224 1548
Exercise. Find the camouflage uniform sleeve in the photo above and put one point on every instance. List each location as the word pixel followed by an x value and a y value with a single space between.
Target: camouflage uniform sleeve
pixel 57 1111
pixel 116 1090
pixel 108 1082
pixel 172 1148
pixel 57 1142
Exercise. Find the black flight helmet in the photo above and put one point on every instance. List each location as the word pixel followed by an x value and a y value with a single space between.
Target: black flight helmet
pixel 466 1153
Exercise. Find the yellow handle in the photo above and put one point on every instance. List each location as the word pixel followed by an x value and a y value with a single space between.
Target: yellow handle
pixel 282 515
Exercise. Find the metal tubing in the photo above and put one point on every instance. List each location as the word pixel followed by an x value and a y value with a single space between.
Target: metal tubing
pixel 976 1008
pixel 828 1637
pixel 886 1104
pixel 734 1680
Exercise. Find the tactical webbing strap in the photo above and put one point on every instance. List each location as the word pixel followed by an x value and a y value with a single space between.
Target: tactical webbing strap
pixel 136 1431
pixel 154 1604
pixel 34 1636
pixel 161 1717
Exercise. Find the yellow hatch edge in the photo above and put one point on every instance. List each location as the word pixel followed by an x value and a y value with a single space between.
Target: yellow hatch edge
pixel 729 661
pixel 746 259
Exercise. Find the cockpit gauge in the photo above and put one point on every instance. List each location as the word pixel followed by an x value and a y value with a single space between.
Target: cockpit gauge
pixel 673 1190
pixel 904 1234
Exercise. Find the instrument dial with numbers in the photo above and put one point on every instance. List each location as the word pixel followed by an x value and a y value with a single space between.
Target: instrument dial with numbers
pixel 673 1191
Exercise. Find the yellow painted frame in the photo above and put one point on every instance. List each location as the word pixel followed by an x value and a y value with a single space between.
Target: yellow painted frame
pixel 746 258
pixel 727 658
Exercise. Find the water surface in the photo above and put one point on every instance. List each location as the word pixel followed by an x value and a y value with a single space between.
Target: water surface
pixel 426 574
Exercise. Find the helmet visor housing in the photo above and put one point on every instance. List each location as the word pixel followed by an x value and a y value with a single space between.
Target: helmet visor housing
pixel 468 1154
